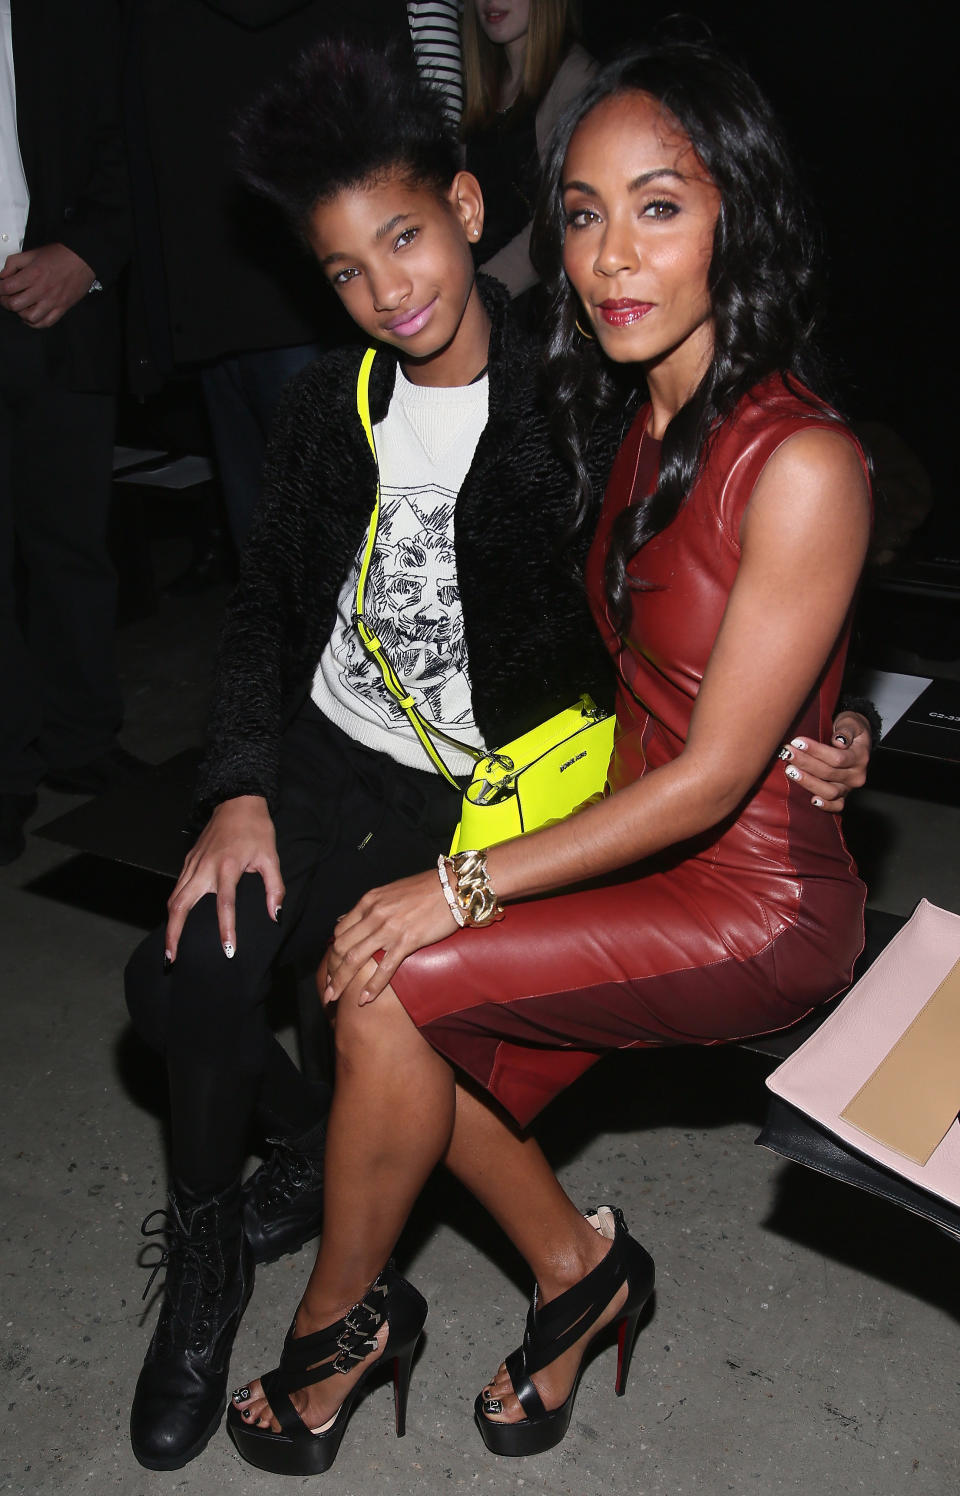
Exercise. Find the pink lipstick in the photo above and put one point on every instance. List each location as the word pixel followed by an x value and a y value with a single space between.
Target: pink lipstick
pixel 624 312
pixel 409 323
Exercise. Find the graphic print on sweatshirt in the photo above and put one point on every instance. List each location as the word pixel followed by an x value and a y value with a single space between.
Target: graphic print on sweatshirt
pixel 424 445
pixel 412 604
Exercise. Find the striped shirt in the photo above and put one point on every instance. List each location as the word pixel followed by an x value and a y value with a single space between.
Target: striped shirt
pixel 435 31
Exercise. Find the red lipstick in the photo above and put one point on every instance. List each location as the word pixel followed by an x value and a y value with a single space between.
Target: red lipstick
pixel 622 313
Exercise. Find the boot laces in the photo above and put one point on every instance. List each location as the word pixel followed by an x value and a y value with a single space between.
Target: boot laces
pixel 282 1175
pixel 195 1277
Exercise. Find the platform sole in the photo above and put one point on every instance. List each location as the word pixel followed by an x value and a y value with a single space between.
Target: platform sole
pixel 537 1435
pixel 279 1455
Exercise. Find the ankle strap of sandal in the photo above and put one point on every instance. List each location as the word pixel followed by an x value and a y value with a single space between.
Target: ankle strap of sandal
pixel 337 1348
pixel 552 1328
pixel 352 1337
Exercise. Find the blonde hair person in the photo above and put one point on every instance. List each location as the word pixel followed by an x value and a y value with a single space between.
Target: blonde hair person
pixel 522 64
pixel 498 74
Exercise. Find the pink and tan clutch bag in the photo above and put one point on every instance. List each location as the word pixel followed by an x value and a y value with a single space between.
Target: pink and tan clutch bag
pixel 882 1073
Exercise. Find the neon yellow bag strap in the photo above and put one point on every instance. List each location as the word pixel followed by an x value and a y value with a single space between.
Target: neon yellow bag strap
pixel 363 411
pixel 425 731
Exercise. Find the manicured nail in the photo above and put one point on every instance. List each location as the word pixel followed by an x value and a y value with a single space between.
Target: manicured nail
pixel 842 739
pixel 278 913
pixel 792 772
pixel 228 950
pixel 799 743
pixel 167 961
pixel 817 802
pixel 786 754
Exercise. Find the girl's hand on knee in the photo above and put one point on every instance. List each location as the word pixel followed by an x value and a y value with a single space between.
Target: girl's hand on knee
pixel 387 925
pixel 831 770
pixel 238 838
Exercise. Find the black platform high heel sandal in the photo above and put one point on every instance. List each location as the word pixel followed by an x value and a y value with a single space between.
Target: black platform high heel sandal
pixel 555 1327
pixel 339 1347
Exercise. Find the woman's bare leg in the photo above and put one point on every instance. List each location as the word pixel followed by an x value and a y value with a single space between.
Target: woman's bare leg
pixel 510 1176
pixel 390 1124
pixel 396 1113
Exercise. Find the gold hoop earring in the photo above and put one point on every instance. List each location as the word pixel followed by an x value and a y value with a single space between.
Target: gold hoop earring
pixel 590 336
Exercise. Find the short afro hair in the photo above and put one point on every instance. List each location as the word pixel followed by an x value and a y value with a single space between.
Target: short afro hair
pixel 341 116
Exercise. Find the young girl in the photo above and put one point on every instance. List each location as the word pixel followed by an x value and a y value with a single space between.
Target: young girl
pixel 722 575
pixel 314 784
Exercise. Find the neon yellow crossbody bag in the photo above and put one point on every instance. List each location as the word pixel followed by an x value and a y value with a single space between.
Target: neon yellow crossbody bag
pixel 541 776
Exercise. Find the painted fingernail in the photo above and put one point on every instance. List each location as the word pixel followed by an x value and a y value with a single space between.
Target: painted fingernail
pixel 228 950
pixel 842 739
pixel 167 960
pixel 817 802
pixel 278 913
pixel 792 772
pixel 799 743
pixel 786 754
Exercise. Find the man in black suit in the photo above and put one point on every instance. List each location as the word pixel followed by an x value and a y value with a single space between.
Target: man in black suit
pixel 62 166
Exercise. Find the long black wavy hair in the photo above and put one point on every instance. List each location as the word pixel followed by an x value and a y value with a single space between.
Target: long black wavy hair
pixel 760 280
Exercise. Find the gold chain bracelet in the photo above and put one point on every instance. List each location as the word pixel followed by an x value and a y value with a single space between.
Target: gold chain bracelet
pixel 474 895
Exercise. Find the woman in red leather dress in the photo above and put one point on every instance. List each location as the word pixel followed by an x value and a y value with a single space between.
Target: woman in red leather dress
pixel 722 575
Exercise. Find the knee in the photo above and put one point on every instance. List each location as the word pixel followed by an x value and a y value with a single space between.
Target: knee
pixel 203 991
pixel 147 992
pixel 373 1034
pixel 213 978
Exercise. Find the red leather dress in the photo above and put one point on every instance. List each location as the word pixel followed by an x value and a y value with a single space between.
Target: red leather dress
pixel 740 933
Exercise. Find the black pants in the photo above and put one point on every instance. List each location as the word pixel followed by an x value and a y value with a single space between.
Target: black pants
pixel 60 696
pixel 347 820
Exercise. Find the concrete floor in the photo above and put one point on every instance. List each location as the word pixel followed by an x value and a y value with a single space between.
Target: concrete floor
pixel 802 1334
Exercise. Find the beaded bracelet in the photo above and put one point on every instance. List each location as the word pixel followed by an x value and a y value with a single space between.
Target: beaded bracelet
pixel 475 895
pixel 448 892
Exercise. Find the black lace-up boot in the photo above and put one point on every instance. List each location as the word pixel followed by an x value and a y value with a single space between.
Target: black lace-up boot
pixel 181 1391
pixel 282 1201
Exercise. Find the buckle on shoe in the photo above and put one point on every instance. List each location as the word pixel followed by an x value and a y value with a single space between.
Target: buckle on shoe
pixel 351 1356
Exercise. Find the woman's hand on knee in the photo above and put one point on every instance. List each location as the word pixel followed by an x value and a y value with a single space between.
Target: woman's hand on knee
pixel 396 920
pixel 831 770
pixel 238 838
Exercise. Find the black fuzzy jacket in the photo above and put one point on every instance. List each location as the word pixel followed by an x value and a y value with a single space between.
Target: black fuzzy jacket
pixel 531 642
